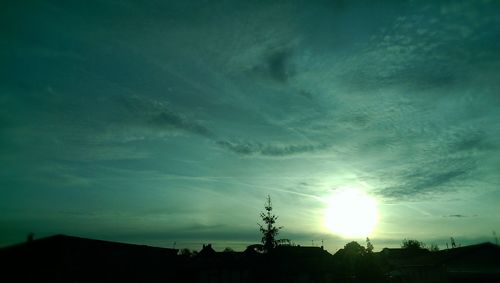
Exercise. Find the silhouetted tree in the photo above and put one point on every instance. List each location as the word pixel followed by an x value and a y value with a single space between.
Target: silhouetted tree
pixel 356 260
pixel 228 250
pixel 354 248
pixel 269 230
pixel 434 248
pixel 369 245
pixel 349 255
pixel 186 252
pixel 412 244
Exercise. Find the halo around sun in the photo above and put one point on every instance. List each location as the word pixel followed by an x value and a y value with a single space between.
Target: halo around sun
pixel 351 213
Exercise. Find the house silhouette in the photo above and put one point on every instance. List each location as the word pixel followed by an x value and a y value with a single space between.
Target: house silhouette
pixel 62 258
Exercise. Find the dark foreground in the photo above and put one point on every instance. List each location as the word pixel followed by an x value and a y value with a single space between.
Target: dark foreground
pixel 72 259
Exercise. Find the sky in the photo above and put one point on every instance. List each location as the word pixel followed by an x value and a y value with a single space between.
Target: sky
pixel 169 122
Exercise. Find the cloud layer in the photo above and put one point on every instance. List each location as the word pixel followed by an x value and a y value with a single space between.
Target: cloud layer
pixel 176 103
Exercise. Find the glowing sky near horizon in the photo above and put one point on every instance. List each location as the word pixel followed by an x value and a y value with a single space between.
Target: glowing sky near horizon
pixel 171 121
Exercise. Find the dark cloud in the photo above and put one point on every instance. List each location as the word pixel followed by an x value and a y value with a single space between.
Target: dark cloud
pixel 275 65
pixel 306 94
pixel 247 148
pixel 436 177
pixel 177 121
pixel 159 114
pixel 416 187
pixel 468 140
pixel 278 64
pixel 239 148
pixel 459 216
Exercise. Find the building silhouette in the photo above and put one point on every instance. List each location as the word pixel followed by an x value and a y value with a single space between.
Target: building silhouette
pixel 63 258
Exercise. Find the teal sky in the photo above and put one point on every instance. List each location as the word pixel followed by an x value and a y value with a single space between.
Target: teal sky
pixel 170 121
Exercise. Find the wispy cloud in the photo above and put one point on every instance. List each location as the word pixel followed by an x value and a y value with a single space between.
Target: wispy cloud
pixel 436 177
pixel 250 148
pixel 459 216
pixel 177 121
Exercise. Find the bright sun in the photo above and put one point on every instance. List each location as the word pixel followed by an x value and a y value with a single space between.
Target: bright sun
pixel 351 213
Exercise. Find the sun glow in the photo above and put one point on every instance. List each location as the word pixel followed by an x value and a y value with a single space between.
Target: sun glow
pixel 351 213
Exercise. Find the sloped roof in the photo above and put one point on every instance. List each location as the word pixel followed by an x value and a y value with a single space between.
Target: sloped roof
pixel 58 242
pixel 75 259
